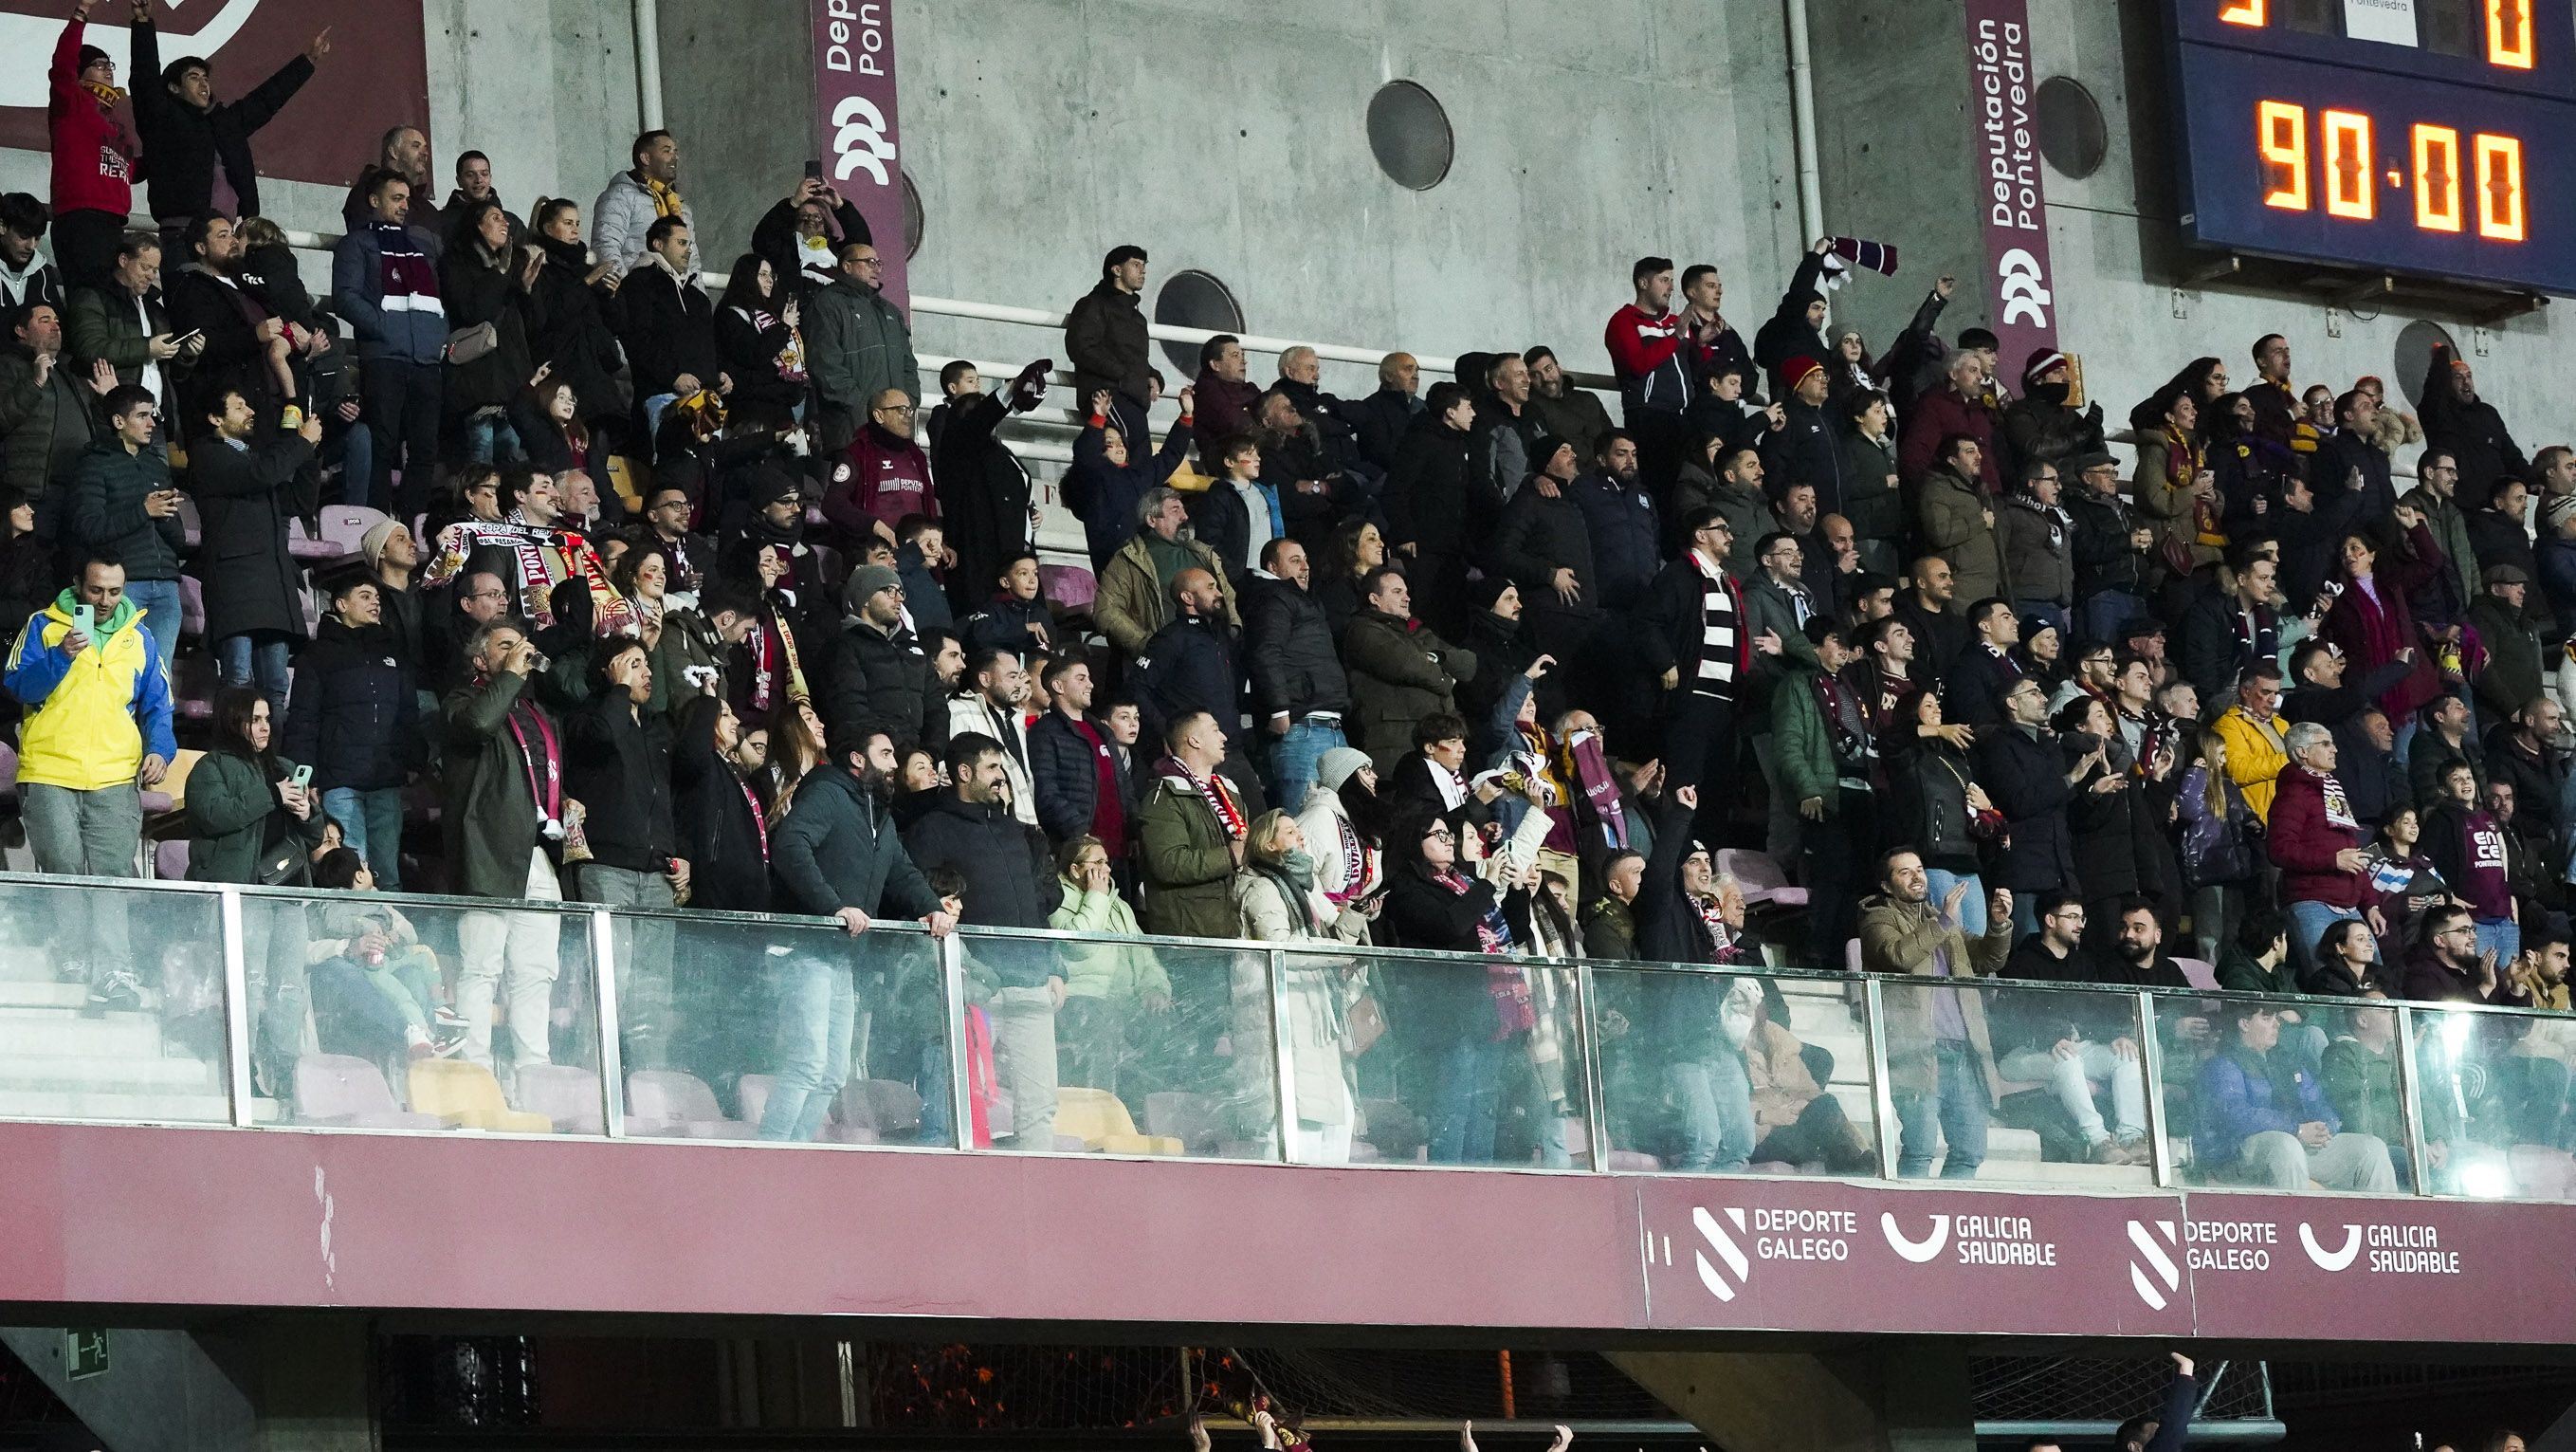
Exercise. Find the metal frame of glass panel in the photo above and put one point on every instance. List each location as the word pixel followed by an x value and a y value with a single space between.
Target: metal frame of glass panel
pixel 1582 1047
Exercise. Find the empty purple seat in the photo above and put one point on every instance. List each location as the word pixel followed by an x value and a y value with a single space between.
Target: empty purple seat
pixel 667 1104
pixel 192 607
pixel 302 546
pixel 1760 877
pixel 344 525
pixel 564 1093
pixel 1072 588
pixel 347 1091
pixel 8 774
pixel 874 1111
pixel 170 859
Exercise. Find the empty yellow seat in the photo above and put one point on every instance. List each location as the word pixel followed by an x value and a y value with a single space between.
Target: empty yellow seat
pixel 467 1096
pixel 1100 1120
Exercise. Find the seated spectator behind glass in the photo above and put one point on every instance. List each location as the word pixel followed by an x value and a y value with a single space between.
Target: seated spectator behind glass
pixel 375 984
pixel 2263 1119
pixel 2076 1043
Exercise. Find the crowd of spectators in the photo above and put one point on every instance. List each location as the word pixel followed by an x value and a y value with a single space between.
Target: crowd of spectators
pixel 686 592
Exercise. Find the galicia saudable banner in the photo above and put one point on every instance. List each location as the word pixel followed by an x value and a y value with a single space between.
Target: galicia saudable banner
pixel 376 76
pixel 2011 195
pixel 855 122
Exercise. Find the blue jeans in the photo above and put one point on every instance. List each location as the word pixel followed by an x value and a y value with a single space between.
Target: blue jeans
pixel 1957 1110
pixel 370 821
pixel 238 658
pixel 1293 758
pixel 1716 1102
pixel 1465 1102
pixel 818 1018
pixel 2308 923
pixel 159 601
pixel 490 440
pixel 2106 612
pixel 2504 935
pixel 1972 908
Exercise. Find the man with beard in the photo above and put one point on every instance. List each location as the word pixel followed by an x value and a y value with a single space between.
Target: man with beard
pixel 995 691
pixel 1011 882
pixel 1941 633
pixel 1620 521
pixel 1193 666
pixel 878 677
pixel 1937 1034
pixel 1570 413
pixel 1081 779
pixel 404 155
pixel 889 475
pixel 538 553
pixel 2068 1040
pixel 836 855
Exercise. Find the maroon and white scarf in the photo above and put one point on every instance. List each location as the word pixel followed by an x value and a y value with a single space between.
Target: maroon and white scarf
pixel 1212 789
pixel 541 752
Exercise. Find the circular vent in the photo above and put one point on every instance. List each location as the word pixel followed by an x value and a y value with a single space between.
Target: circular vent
pixel 1409 135
pixel 2415 345
pixel 2071 134
pixel 1194 299
pixel 911 218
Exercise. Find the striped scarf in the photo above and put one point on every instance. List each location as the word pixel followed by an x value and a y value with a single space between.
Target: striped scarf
pixel 666 197
pixel 1722 645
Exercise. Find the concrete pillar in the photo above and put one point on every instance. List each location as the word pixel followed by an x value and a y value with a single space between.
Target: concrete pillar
pixel 1908 1397
pixel 262 1384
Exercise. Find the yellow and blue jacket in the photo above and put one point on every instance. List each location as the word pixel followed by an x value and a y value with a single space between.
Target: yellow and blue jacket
pixel 90 719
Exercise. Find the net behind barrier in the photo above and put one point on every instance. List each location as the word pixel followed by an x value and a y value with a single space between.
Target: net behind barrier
pixel 2087 1389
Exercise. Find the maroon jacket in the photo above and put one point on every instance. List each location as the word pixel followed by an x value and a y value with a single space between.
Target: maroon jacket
pixel 1934 417
pixel 2304 840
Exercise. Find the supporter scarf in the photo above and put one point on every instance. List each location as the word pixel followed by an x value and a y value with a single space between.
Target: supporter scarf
pixel 1504 982
pixel 543 759
pixel 1878 257
pixel 1723 946
pixel 2184 459
pixel 1600 787
pixel 666 197
pixel 1359 864
pixel 109 97
pixel 759 814
pixel 2338 807
pixel 1214 791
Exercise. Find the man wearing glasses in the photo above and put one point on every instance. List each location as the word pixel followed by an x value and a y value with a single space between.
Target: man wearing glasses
pixel 887 478
pixel 859 346
pixel 2256 735
pixel 1696 638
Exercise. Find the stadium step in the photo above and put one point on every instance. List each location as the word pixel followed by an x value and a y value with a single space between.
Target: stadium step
pixel 106 1074
pixel 39 1032
pixel 47 993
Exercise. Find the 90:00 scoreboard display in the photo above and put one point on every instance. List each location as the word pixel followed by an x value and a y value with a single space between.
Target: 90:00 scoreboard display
pixel 2424 137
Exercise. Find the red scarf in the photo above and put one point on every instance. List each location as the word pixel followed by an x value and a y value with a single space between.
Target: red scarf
pixel 543 760
pixel 1213 790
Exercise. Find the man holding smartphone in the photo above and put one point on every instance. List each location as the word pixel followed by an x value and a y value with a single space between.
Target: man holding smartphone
pixel 97 731
pixel 126 507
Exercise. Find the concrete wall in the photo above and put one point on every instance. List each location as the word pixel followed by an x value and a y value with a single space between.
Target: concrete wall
pixel 1231 137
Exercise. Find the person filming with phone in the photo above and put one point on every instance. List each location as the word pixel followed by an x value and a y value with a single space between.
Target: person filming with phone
pixel 126 506
pixel 97 731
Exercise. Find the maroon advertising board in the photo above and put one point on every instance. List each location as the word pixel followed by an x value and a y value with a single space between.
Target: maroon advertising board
pixel 376 75
pixel 856 124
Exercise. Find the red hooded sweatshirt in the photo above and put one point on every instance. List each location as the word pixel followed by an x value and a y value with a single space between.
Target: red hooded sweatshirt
pixel 93 157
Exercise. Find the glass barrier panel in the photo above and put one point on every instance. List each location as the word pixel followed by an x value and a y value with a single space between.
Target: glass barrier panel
pixel 2283 1096
pixel 1464 1061
pixel 2491 1094
pixel 1708 1072
pixel 376 1012
pixel 2017 1082
pixel 1119 1046
pixel 738 1028
pixel 111 1004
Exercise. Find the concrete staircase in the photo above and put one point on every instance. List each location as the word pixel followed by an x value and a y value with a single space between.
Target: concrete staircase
pixel 1825 1015
pixel 57 1064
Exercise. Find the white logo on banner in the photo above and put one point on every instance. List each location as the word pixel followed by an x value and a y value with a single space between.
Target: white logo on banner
pixel 1727 1251
pixel 2153 1272
pixel 27 37
pixel 2331 1260
pixel 2390 22
pixel 861 141
pixel 2025 294
pixel 1917 1251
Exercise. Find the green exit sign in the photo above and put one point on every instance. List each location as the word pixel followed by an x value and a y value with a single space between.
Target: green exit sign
pixel 84 1354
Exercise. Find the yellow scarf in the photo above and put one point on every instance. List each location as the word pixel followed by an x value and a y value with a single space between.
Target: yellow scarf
pixel 666 198
pixel 109 96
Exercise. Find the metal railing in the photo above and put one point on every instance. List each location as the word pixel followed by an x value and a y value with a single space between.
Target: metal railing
pixel 1255 1038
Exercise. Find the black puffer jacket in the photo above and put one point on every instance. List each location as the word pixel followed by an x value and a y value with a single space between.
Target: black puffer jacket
pixel 875 682
pixel 1066 770
pixel 1427 490
pixel 836 847
pixel 1105 340
pixel 479 288
pixel 353 712
pixel 1011 881
pixel 571 332
pixel 1288 643
pixel 186 144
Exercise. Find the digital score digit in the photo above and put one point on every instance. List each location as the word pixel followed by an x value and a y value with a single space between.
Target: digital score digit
pixel 2437 141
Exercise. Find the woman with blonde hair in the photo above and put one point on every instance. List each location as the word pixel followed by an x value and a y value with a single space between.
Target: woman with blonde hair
pixel 1278 900
pixel 2216 844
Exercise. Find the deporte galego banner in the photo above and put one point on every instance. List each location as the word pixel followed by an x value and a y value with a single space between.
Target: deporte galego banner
pixel 856 124
pixel 2002 101
pixel 376 76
